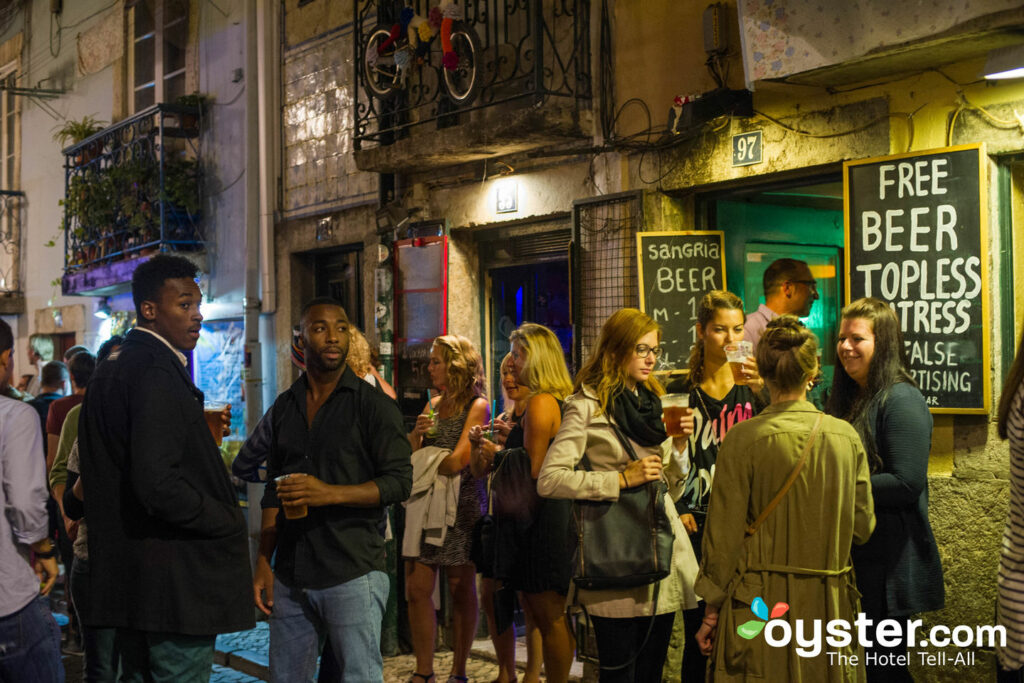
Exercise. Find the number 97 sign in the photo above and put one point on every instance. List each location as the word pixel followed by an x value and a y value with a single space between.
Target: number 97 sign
pixel 746 148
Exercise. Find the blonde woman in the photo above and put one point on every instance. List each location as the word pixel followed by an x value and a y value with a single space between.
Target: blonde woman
pixel 456 371
pixel 360 360
pixel 542 570
pixel 515 397
pixel 615 389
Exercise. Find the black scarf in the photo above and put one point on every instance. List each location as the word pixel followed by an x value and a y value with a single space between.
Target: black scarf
pixel 639 415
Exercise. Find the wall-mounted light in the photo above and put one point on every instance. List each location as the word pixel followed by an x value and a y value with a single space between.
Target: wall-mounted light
pixel 506 196
pixel 1005 62
pixel 103 309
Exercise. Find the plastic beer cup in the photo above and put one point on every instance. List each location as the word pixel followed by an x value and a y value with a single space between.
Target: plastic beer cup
pixel 213 412
pixel 673 409
pixel 292 511
pixel 737 354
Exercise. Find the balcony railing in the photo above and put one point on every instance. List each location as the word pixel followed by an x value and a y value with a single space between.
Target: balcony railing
pixel 134 188
pixel 498 52
pixel 11 208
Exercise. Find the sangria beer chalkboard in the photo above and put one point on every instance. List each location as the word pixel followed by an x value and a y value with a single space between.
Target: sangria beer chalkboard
pixel 676 269
pixel 916 237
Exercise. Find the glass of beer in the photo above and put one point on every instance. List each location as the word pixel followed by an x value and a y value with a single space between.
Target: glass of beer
pixel 292 511
pixel 214 413
pixel 673 409
pixel 737 354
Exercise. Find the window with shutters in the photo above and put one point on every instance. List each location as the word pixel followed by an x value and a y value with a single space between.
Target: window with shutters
pixel 158 46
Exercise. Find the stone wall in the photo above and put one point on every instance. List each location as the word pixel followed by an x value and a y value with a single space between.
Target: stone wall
pixel 320 173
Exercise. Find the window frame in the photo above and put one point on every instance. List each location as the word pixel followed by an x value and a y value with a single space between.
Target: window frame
pixel 160 77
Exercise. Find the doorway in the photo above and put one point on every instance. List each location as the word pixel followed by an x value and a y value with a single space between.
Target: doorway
pixel 535 293
pixel 796 219
pixel 337 274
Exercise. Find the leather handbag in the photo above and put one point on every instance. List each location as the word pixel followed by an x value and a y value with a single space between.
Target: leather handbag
pixel 624 543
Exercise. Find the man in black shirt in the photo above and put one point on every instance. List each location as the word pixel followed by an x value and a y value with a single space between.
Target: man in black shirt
pixel 342 445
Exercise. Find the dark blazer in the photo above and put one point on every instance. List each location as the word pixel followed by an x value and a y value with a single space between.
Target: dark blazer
pixel 168 545
pixel 901 554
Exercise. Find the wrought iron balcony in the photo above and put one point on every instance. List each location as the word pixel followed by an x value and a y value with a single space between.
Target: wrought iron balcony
pixel 429 73
pixel 11 293
pixel 132 189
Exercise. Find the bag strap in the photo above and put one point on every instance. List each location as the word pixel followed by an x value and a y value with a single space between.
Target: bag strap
pixel 792 478
pixel 626 445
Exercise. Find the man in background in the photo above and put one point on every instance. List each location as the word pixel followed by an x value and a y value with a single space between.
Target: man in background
pixel 40 352
pixel 789 289
pixel 54 375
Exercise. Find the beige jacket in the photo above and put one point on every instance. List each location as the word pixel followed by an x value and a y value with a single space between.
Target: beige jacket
pixel 585 429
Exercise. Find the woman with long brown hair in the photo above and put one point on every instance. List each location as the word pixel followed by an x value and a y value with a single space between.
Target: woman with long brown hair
pixel 456 371
pixel 719 403
pixel 899 573
pixel 616 392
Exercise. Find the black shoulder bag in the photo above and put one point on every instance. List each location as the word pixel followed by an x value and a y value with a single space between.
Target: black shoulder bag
pixel 624 543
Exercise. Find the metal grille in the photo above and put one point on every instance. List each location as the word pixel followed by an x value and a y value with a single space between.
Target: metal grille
pixel 543 244
pixel 604 263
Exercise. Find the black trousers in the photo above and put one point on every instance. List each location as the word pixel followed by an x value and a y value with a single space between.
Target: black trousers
pixel 871 584
pixel 695 663
pixel 619 640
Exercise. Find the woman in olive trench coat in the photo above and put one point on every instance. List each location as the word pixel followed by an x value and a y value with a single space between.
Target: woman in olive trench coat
pixel 800 555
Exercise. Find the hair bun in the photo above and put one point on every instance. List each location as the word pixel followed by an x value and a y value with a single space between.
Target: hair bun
pixel 785 332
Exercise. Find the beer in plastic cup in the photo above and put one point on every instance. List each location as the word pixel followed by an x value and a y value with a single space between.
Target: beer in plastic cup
pixel 213 411
pixel 737 354
pixel 292 511
pixel 673 409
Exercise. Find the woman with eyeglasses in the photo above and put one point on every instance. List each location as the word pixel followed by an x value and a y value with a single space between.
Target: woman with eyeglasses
pixel 615 391
pixel 718 403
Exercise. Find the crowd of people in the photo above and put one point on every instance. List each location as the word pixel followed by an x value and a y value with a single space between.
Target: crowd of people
pixel 763 497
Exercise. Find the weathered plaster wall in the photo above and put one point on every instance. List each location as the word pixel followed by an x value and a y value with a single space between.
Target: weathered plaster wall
pixel 292 241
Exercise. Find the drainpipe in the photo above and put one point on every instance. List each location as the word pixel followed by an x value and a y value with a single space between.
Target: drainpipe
pixel 268 26
pixel 253 364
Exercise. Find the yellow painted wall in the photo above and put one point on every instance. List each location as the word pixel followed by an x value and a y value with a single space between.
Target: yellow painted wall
pixel 659 53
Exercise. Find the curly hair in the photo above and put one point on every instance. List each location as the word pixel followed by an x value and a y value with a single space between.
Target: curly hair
pixel 715 300
pixel 465 370
pixel 605 373
pixel 358 352
pixel 544 369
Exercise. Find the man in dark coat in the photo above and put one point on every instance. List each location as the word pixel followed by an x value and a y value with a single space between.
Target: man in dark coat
pixel 168 549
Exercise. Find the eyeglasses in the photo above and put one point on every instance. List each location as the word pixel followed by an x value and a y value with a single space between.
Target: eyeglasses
pixel 642 351
pixel 811 284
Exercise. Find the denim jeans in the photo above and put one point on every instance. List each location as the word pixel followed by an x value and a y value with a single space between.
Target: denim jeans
pixel 349 614
pixel 150 657
pixel 30 645
pixel 101 658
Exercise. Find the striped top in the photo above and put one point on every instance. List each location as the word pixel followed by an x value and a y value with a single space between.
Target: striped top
pixel 1011 559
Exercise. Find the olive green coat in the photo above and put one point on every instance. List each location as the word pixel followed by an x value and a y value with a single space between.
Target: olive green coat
pixel 801 553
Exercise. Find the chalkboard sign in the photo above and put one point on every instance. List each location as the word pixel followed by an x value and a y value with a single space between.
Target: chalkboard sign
pixel 676 269
pixel 916 237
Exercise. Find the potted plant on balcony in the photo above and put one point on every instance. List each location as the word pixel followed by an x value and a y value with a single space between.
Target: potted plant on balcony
pixel 73 132
pixel 196 100
pixel 91 207
pixel 181 198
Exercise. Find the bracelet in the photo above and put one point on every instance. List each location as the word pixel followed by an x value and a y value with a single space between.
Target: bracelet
pixel 52 552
